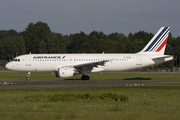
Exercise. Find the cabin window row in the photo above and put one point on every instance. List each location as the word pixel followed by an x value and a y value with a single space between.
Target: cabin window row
pixel 80 60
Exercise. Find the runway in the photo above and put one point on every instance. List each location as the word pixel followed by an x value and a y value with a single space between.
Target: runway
pixel 85 83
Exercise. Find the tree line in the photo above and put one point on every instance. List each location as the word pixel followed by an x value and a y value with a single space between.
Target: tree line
pixel 38 38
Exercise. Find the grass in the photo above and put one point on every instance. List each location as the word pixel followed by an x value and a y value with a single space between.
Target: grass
pixel 144 103
pixel 158 102
pixel 8 75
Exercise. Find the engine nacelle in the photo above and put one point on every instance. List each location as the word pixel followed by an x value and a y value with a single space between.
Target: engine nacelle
pixel 65 72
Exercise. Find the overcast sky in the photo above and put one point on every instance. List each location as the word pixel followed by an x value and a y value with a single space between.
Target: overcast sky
pixel 108 16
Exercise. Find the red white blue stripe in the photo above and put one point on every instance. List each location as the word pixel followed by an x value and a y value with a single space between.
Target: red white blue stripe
pixel 159 41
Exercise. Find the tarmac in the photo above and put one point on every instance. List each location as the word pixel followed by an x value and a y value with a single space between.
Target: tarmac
pixel 85 83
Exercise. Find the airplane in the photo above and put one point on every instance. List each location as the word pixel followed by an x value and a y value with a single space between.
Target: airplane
pixel 67 65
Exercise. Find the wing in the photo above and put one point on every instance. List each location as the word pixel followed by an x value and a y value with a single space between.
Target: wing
pixel 84 68
pixel 91 64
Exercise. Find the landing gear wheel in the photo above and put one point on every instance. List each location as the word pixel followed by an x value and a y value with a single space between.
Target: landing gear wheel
pixel 85 77
pixel 28 78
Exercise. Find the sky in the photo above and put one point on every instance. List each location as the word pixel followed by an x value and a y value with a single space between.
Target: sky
pixel 109 16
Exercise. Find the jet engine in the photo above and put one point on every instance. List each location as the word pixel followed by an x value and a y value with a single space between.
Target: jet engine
pixel 65 72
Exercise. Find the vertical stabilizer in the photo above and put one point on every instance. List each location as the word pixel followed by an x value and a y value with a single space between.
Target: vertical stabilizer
pixel 157 44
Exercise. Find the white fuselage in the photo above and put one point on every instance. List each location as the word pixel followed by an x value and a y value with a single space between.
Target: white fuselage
pixel 51 62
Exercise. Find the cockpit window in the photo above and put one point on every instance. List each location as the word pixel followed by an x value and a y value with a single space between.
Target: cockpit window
pixel 16 60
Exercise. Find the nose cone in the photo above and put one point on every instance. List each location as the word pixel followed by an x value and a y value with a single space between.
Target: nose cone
pixel 7 66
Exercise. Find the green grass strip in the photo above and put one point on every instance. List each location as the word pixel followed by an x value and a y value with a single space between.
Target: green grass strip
pixel 75 97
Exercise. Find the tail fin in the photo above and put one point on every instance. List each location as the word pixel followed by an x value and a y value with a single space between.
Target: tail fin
pixel 157 44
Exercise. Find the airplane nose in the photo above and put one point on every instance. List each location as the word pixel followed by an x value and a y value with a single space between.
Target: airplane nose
pixel 7 66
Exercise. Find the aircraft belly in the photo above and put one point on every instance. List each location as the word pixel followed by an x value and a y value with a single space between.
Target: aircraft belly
pixel 119 66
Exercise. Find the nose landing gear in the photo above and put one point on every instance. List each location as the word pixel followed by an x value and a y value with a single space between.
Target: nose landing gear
pixel 28 76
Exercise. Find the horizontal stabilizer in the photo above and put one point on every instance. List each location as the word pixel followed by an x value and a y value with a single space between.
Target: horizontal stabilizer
pixel 164 56
pixel 161 59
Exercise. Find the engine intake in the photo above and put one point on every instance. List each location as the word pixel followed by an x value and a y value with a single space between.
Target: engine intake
pixel 65 72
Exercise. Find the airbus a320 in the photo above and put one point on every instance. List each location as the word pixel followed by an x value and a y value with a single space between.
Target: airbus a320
pixel 67 65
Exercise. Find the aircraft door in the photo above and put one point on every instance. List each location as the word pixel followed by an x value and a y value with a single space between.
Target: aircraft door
pixel 138 60
pixel 28 61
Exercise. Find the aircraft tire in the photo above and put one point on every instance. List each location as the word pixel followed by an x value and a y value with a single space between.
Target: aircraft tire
pixel 28 78
pixel 82 78
pixel 85 77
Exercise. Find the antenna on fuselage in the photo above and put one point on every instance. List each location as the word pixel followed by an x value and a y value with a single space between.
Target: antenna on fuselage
pixel 30 53
pixel 103 53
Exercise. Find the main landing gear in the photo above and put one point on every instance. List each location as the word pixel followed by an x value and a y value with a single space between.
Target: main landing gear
pixel 28 76
pixel 85 77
